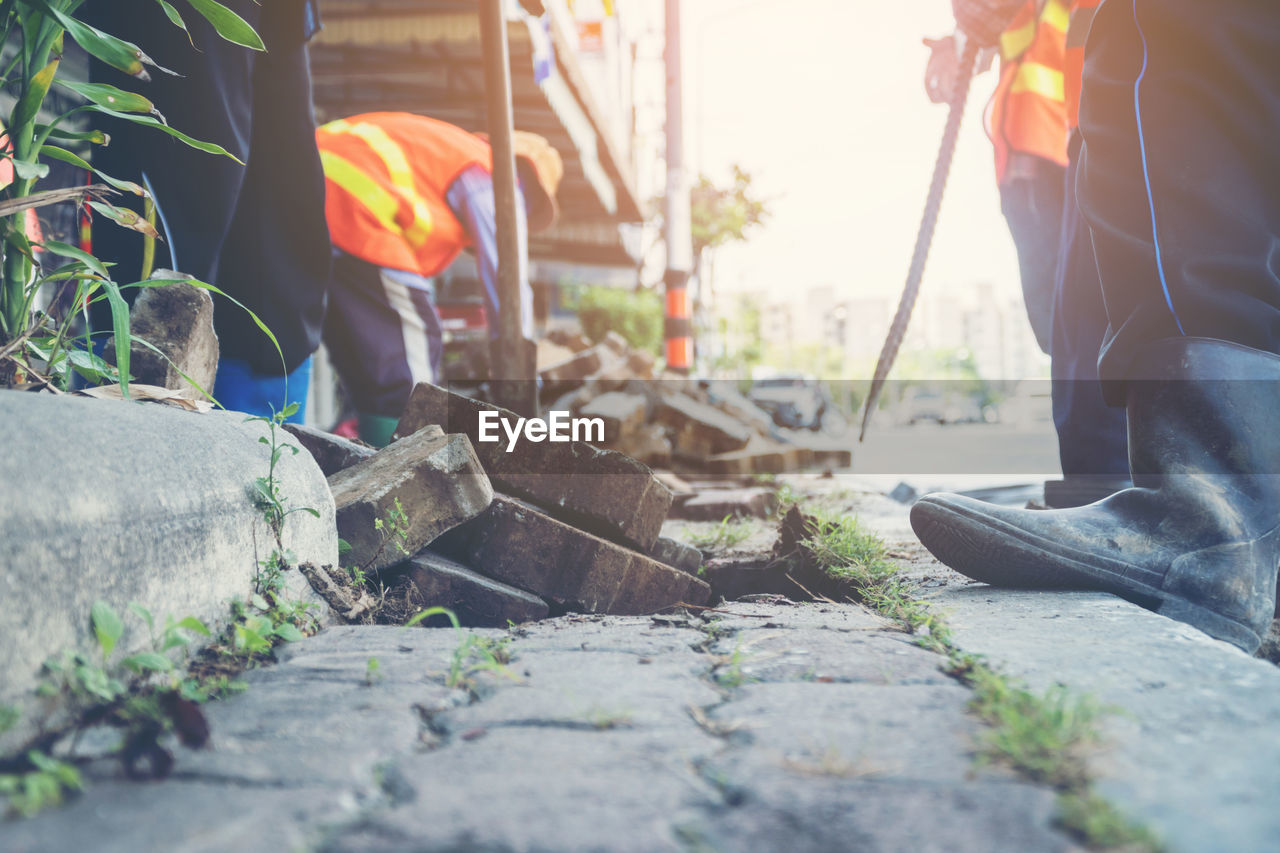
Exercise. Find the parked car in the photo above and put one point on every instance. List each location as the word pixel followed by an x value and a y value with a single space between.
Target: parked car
pixel 794 401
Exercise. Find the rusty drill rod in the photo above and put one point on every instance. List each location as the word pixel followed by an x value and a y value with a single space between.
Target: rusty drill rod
pixel 924 239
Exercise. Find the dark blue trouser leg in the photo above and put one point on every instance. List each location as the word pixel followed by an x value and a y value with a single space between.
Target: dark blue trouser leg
pixel 1179 179
pixel 1092 439
pixel 1032 206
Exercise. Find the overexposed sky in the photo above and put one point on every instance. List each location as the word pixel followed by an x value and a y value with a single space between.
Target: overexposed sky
pixel 823 102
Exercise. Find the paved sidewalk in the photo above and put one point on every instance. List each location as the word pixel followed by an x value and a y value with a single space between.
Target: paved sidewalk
pixel 768 726
pixel 796 727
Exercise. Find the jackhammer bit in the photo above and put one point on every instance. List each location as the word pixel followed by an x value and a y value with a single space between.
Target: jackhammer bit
pixel 924 239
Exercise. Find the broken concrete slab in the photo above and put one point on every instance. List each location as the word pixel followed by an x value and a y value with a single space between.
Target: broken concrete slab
pixel 176 319
pixel 332 453
pixel 622 414
pixel 475 599
pixel 436 481
pixel 701 430
pixel 676 554
pixel 517 544
pixel 573 369
pixel 602 491
pixel 729 503
pixel 164 516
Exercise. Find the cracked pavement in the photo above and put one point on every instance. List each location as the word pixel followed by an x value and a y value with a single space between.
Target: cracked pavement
pixel 785 726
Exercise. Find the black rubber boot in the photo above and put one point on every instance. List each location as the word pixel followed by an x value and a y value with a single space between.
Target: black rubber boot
pixel 1197 539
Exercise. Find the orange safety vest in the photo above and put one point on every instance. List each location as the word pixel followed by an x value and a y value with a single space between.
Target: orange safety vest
pixel 1027 113
pixel 386 178
pixel 1082 12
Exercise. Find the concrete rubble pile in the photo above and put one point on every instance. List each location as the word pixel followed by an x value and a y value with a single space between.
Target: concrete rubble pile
pixel 666 421
pixel 497 535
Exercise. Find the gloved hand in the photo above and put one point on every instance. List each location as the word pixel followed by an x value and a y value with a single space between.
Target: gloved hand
pixel 943 69
pixel 984 20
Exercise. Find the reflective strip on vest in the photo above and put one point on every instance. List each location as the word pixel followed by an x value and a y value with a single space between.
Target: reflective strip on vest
pixel 353 180
pixel 1040 80
pixel 1017 40
pixel 398 169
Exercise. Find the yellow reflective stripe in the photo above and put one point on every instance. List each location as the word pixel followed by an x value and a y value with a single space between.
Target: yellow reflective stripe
pixel 1057 15
pixel 398 169
pixel 1041 80
pixel 351 178
pixel 1014 43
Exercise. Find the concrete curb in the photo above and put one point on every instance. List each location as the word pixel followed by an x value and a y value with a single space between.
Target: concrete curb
pixel 128 502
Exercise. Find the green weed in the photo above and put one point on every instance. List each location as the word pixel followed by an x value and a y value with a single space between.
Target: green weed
pixel 728 533
pixel 473 655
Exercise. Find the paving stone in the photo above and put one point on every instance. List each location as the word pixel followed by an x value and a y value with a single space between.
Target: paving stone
pixel 733 503
pixel 517 544
pixel 684 557
pixel 573 369
pixel 176 319
pixel 701 430
pixel 604 492
pixel 759 457
pixel 648 444
pixel 622 414
pixel 438 481
pixel 474 598
pixel 332 452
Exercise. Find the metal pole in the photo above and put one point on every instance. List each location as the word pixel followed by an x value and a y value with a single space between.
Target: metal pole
pixel 513 364
pixel 679 237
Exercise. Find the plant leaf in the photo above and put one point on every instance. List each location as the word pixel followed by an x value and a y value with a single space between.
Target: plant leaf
pixel 118 53
pixel 69 251
pixel 27 108
pixel 94 137
pixel 176 19
pixel 149 121
pixel 288 632
pixel 147 662
pixel 76 160
pixel 142 613
pixel 106 625
pixel 28 171
pixel 120 326
pixel 194 625
pixel 229 25
pixel 110 97
pixel 126 218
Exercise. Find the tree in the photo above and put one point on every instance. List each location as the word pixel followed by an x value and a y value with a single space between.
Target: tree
pixel 723 215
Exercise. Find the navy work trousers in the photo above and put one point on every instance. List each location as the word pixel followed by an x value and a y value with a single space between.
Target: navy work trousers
pixel 1179 179
pixel 255 230
pixel 1092 436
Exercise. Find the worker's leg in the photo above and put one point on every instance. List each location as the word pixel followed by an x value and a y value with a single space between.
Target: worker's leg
pixel 1180 181
pixel 1180 111
pixel 1093 444
pixel 211 100
pixel 276 258
pixel 1031 199
pixel 380 334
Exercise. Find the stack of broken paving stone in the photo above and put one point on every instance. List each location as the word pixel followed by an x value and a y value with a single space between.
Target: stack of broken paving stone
pixel 497 535
pixel 673 422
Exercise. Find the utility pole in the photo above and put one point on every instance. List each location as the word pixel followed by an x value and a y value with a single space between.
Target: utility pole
pixel 679 217
pixel 512 368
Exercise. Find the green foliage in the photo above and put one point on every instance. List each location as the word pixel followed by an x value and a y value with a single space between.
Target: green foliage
pixel 1042 736
pixel 474 653
pixel 43 786
pixel 729 672
pixel 1098 824
pixel 36 346
pixel 725 214
pixel 636 315
pixel 728 533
